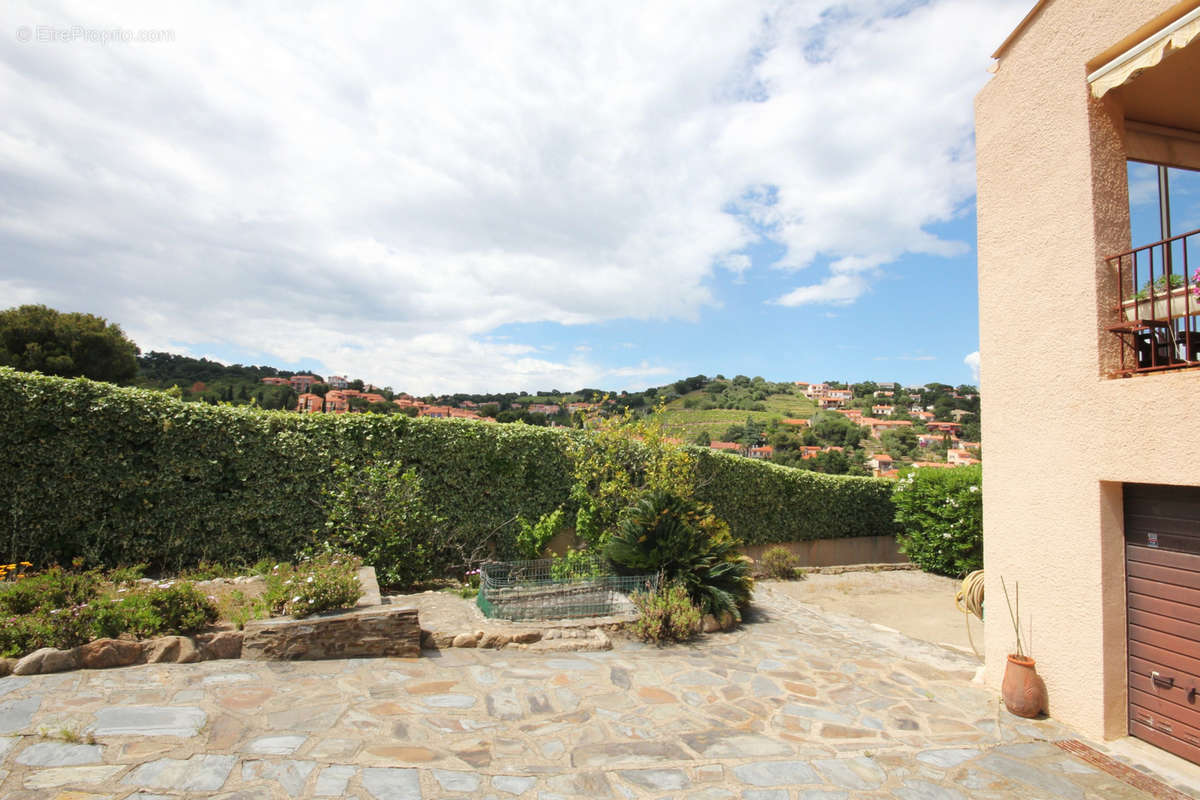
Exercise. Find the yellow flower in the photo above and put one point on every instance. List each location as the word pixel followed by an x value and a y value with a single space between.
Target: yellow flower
pixel 26 563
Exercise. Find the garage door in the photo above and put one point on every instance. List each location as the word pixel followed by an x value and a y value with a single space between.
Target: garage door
pixel 1162 576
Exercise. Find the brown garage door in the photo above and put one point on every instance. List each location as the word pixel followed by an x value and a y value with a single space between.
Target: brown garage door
pixel 1162 577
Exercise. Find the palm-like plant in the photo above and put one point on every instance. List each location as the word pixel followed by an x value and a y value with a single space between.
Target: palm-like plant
pixel 681 540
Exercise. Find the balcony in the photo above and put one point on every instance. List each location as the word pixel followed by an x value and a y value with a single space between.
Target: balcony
pixel 1156 316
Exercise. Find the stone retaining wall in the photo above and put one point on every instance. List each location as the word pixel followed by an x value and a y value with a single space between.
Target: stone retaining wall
pixel 374 632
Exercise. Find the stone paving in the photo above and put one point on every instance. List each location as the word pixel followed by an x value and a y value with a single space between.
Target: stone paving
pixel 797 704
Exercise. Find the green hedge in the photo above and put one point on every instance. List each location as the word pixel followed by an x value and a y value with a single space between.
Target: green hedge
pixel 765 503
pixel 113 475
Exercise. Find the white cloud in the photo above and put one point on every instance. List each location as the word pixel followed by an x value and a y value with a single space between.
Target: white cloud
pixel 972 362
pixel 380 191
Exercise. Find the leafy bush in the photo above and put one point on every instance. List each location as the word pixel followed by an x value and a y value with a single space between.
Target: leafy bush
pixel 532 539
pixel 576 565
pixel 665 615
pixel 780 563
pixel 681 540
pixel 54 588
pixel 617 460
pixel 378 513
pixel 940 516
pixel 320 584
pixel 62 609
pixel 180 608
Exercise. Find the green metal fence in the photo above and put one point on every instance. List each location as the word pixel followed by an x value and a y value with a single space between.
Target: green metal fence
pixel 556 589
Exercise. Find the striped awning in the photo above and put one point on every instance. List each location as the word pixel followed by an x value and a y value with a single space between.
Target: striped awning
pixel 1147 53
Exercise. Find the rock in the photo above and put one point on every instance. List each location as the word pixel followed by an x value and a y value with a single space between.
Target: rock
pixel 384 631
pixel 428 640
pixel 494 640
pixel 107 653
pixel 225 644
pixel 6 666
pixel 171 650
pixel 710 624
pixel 727 620
pixel 46 660
pixel 464 640
pixel 553 633
pixel 441 640
pixel 526 637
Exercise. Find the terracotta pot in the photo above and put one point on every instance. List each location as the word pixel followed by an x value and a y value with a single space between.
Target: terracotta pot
pixel 1023 691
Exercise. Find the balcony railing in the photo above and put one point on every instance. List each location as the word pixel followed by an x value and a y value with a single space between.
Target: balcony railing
pixel 1157 316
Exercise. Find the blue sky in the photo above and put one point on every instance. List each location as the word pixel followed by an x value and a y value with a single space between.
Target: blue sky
pixel 515 199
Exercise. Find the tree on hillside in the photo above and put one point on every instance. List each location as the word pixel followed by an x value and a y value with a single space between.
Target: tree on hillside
pixel 900 442
pixel 40 339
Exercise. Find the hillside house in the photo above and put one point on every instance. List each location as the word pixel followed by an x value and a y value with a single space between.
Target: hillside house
pixel 302 383
pixel 878 463
pixel 310 404
pixel 1081 89
pixel 878 426
pixel 882 411
pixel 337 382
pixel 728 447
pixel 544 408
pixel 277 381
pixel 764 451
pixel 960 457
pixel 952 428
pixel 337 401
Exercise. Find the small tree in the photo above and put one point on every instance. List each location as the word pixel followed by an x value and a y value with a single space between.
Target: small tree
pixel 614 461
pixel 40 339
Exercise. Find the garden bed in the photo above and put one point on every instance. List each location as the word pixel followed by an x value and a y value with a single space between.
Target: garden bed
pixel 60 620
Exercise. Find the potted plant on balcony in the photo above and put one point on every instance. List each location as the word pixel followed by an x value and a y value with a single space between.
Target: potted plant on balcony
pixel 1022 688
pixel 1162 298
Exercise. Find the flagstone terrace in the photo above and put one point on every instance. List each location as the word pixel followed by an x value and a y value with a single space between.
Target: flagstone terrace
pixel 796 704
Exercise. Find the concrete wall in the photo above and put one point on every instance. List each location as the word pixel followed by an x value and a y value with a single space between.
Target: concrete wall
pixel 837 552
pixel 1061 438
pixel 818 553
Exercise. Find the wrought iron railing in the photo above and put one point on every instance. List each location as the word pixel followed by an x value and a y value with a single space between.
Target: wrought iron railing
pixel 1157 316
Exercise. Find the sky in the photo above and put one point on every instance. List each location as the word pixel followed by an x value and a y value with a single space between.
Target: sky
pixel 506 196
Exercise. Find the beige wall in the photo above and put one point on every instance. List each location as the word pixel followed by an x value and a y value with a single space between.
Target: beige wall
pixel 817 553
pixel 838 552
pixel 1061 439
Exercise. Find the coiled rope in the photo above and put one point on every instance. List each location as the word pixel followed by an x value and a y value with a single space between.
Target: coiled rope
pixel 969 600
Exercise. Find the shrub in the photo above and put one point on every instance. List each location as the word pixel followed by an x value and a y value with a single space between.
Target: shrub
pixel 68 611
pixel 532 539
pixel 180 608
pixel 379 514
pixel 780 563
pixel 54 588
pixel 323 583
pixel 682 540
pixel 576 565
pixel 614 462
pixel 940 516
pixel 666 615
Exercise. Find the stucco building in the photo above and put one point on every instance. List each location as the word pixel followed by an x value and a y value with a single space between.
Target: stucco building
pixel 1097 516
